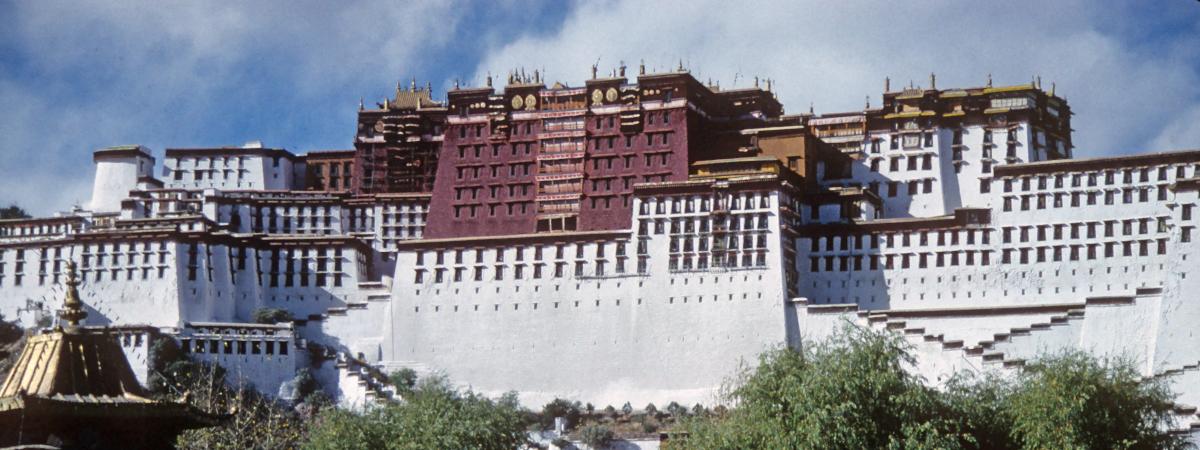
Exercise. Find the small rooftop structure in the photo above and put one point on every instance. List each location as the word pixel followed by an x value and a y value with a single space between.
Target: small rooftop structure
pixel 73 387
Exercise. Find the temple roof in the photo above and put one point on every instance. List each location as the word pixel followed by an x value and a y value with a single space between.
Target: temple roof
pixel 78 372
pixel 86 366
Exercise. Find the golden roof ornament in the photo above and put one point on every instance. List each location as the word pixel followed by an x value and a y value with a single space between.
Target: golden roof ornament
pixel 642 68
pixel 72 312
pixel 989 80
pixel 887 84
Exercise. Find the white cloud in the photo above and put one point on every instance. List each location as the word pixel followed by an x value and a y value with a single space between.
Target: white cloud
pixel 96 74
pixel 835 56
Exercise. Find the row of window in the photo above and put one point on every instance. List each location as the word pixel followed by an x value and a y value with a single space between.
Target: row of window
pixel 898 240
pixel 1057 232
pixel 703 204
pixel 1077 199
pixel 736 222
pixel 848 263
pixel 1091 252
pixel 231 347
pixel 749 259
pixel 523 271
pixel 519 254
pixel 1128 176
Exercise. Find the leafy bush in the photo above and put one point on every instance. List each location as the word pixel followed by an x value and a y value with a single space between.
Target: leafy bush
pixel 853 392
pixel 403 379
pixel 561 408
pixel 435 415
pixel 596 436
pixel 271 316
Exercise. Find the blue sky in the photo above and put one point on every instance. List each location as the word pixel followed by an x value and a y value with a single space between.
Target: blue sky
pixel 76 76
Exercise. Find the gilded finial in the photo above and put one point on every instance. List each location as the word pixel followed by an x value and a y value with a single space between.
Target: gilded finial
pixel 756 82
pixel 360 104
pixel 642 68
pixel 680 66
pixel 932 81
pixel 622 73
pixel 594 70
pixel 489 79
pixel 456 83
pixel 72 312
pixel 887 84
pixel 413 86
pixel 1051 88
pixel 989 80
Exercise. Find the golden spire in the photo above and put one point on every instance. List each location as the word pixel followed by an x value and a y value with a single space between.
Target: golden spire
pixel 72 312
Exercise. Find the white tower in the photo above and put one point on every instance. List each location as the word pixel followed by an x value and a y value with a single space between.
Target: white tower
pixel 118 170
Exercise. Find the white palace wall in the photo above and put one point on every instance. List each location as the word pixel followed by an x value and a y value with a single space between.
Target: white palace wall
pixel 593 331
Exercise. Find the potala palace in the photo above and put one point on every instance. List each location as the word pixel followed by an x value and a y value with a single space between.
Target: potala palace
pixel 633 239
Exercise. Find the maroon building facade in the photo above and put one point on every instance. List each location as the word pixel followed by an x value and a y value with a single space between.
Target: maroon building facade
pixel 536 159
pixel 396 145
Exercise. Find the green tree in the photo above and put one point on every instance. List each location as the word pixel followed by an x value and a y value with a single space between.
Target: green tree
pixel 434 415
pixel 403 379
pixel 13 212
pixel 1074 401
pixel 571 411
pixel 11 341
pixel 850 392
pixel 596 436
pixel 271 316
pixel 257 421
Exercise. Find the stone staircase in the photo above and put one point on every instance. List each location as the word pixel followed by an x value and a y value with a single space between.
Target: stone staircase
pixel 354 333
pixel 360 385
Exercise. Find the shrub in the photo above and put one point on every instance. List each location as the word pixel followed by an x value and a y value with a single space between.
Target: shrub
pixel 596 436
pixel 561 408
pixel 271 316
pixel 403 379
pixel 435 415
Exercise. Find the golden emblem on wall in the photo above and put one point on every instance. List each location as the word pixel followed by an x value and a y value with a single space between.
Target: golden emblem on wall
pixel 530 102
pixel 611 95
pixel 517 102
pixel 597 97
pixel 379 126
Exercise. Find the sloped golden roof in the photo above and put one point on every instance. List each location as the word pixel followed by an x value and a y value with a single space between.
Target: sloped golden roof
pixel 84 365
pixel 414 99
pixel 72 363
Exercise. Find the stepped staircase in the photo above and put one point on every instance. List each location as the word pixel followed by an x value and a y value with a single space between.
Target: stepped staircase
pixel 360 385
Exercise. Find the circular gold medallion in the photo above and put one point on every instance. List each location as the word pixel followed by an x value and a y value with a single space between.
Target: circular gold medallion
pixel 597 97
pixel 530 102
pixel 611 95
pixel 517 102
pixel 379 126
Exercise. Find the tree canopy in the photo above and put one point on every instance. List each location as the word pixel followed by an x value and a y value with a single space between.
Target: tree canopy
pixel 853 392
pixel 13 212
pixel 433 415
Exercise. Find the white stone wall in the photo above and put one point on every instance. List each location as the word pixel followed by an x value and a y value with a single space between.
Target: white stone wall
pixel 264 356
pixel 1051 243
pixel 115 177
pixel 231 169
pixel 639 335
